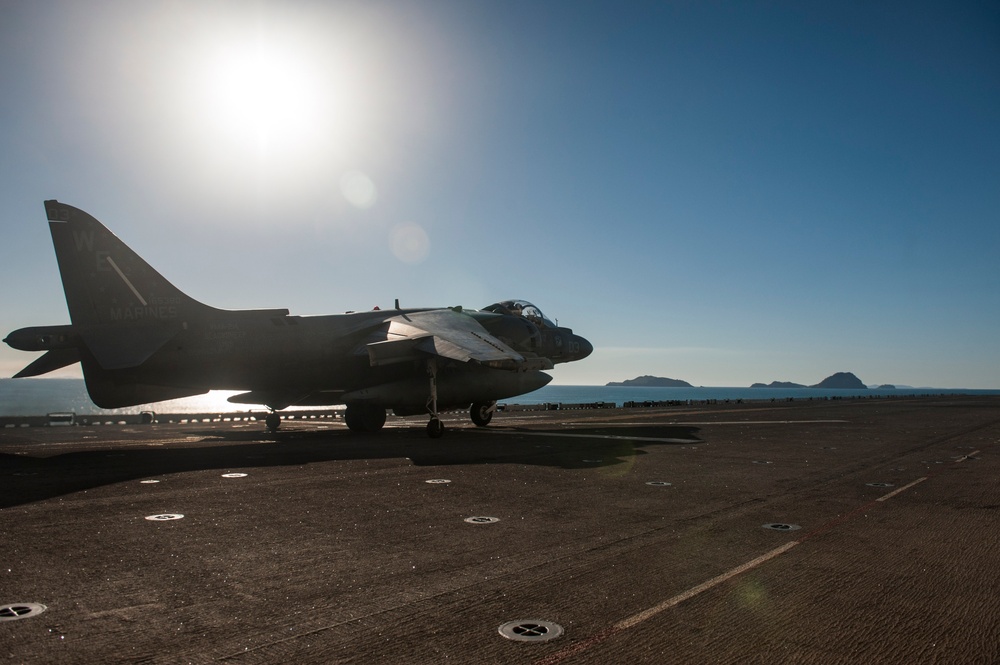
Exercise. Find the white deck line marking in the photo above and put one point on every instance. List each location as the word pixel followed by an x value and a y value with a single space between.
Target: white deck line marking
pixel 634 620
pixel 756 422
pixel 613 437
pixel 645 423
pixel 638 618
pixel 99 444
pixel 901 489
pixel 125 279
pixel 922 479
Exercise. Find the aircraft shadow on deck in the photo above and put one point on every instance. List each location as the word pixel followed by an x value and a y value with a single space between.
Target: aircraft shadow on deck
pixel 28 479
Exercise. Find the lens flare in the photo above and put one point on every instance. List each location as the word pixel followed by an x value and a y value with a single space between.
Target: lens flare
pixel 409 243
pixel 358 189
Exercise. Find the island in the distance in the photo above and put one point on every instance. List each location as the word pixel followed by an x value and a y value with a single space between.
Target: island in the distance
pixel 840 380
pixel 652 382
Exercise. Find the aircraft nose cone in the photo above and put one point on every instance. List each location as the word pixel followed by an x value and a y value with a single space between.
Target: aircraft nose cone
pixel 586 348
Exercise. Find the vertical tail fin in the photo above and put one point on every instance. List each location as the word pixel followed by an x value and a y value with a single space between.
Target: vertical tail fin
pixel 104 280
pixel 123 311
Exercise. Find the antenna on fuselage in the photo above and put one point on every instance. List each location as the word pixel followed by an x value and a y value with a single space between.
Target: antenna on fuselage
pixel 397 303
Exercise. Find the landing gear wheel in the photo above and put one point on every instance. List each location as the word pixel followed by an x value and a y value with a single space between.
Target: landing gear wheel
pixel 435 428
pixel 352 418
pixel 273 421
pixel 364 418
pixel 374 418
pixel 482 413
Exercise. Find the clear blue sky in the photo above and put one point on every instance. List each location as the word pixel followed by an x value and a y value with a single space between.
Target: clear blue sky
pixel 721 192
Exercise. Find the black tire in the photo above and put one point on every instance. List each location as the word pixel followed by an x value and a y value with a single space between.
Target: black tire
pixel 273 421
pixel 481 413
pixel 374 418
pixel 352 419
pixel 435 428
pixel 364 418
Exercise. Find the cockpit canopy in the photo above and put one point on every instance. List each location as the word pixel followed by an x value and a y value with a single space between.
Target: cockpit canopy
pixel 522 308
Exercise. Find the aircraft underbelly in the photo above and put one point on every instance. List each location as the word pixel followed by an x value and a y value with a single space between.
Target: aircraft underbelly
pixel 455 386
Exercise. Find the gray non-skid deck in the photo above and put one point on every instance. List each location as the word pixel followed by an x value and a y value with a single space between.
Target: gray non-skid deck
pixel 641 532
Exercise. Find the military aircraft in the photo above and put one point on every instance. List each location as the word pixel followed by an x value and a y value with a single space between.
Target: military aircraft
pixel 140 340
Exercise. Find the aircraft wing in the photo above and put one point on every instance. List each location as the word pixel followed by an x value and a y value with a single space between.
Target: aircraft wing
pixel 446 333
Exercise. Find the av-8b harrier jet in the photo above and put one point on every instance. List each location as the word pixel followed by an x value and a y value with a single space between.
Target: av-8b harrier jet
pixel 141 340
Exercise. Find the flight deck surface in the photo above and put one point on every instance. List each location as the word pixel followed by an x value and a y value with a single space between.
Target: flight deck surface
pixel 808 532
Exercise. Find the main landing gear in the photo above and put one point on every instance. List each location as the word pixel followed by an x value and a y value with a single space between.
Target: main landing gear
pixel 273 421
pixel 481 412
pixel 364 417
pixel 435 428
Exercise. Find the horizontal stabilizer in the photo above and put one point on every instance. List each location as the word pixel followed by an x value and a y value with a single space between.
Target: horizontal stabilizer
pixel 51 361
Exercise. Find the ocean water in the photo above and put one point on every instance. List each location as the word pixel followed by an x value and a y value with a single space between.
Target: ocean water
pixel 622 394
pixel 36 397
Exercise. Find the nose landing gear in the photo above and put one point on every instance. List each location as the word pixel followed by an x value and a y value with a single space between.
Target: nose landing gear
pixel 482 413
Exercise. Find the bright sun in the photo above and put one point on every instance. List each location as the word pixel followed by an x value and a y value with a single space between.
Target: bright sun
pixel 270 107
pixel 268 98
